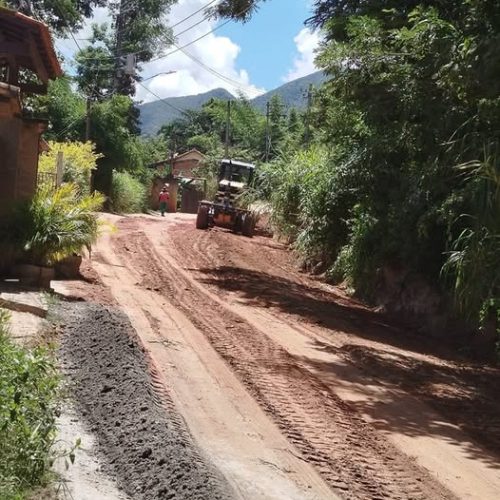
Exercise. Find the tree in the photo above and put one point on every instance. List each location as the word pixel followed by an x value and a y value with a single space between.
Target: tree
pixel 206 129
pixel 65 109
pixel 139 30
pixel 114 139
pixel 60 15
pixel 277 125
pixel 240 10
pixel 412 94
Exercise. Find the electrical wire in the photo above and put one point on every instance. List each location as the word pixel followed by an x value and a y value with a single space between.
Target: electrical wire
pixel 163 100
pixel 171 27
pixel 191 42
pixel 193 14
pixel 224 78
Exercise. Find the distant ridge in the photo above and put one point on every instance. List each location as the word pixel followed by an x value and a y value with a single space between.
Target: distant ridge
pixel 156 114
pixel 294 93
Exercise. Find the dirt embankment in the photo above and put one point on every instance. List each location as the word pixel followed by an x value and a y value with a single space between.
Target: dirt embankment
pixel 146 444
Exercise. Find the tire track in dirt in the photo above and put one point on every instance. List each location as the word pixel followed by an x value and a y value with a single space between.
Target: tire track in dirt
pixel 349 454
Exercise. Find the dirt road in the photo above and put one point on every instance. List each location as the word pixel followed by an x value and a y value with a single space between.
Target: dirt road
pixel 289 387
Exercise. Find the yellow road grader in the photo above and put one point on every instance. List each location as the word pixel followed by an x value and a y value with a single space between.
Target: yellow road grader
pixel 233 179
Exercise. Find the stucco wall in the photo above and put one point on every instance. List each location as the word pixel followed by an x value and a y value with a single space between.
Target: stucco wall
pixel 19 143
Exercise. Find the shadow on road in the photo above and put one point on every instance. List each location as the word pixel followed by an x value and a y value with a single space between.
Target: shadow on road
pixel 327 309
pixel 462 392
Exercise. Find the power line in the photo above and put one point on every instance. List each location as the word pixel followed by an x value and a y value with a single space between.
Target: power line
pixel 214 72
pixel 173 26
pixel 163 100
pixel 203 19
pixel 193 14
pixel 74 39
pixel 193 41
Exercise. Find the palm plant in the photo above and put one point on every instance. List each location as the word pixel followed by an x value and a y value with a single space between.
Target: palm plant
pixel 55 224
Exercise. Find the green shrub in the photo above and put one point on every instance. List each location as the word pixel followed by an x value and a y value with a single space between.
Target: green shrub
pixel 79 160
pixel 357 261
pixel 54 225
pixel 128 194
pixel 28 409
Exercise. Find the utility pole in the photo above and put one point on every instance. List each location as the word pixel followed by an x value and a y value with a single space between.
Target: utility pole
pixel 87 119
pixel 119 28
pixel 228 127
pixel 268 131
pixel 308 115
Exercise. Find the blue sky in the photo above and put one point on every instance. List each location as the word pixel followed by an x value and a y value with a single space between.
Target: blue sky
pixel 267 40
pixel 272 48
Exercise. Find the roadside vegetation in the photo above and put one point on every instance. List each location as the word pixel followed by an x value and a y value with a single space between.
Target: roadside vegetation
pixel 128 194
pixel 54 225
pixel 29 395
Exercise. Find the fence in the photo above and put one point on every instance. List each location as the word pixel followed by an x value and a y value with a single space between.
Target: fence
pixel 49 179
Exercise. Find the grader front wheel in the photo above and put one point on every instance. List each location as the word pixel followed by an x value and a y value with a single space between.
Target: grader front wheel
pixel 202 218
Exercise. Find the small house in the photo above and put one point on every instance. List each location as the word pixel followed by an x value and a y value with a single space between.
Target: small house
pixel 181 166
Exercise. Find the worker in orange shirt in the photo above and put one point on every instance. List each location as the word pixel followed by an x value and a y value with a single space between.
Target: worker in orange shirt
pixel 163 199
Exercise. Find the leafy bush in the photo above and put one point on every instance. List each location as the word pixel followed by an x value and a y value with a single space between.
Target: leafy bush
pixel 80 159
pixel 412 93
pixel 28 409
pixel 357 261
pixel 128 194
pixel 54 225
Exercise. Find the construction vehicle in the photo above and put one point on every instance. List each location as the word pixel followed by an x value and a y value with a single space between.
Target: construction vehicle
pixel 233 179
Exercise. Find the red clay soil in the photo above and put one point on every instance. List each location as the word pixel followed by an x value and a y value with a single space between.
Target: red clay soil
pixel 349 454
pixel 234 289
pixel 263 272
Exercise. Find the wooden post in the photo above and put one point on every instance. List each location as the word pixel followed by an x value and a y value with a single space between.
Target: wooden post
pixel 60 168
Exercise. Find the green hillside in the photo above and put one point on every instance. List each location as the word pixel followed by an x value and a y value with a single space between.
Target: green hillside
pixel 294 93
pixel 157 113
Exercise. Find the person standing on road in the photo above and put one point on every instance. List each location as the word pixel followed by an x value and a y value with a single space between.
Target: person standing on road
pixel 163 199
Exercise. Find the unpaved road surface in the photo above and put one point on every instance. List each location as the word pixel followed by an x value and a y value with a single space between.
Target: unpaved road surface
pixel 289 388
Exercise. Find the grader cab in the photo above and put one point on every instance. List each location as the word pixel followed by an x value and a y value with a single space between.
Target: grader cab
pixel 234 178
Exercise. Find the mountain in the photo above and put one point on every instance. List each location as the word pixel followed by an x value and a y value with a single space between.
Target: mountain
pixel 155 114
pixel 294 93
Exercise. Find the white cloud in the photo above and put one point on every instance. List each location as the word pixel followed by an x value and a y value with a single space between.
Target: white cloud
pixel 307 42
pixel 219 53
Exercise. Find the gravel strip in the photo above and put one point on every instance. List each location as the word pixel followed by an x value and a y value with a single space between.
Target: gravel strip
pixel 144 442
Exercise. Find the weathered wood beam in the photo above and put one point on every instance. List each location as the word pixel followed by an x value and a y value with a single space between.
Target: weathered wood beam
pixel 16 49
pixel 13 72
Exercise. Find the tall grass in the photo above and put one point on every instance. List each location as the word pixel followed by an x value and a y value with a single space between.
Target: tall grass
pixel 128 194
pixel 473 264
